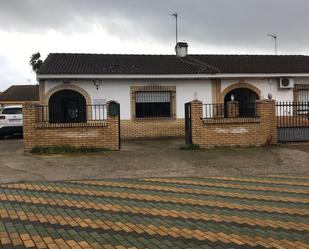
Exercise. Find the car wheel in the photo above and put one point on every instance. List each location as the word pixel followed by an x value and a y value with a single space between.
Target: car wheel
pixel 1 136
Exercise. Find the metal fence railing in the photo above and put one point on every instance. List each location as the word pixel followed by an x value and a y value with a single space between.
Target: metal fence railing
pixel 211 111
pixel 71 114
pixel 230 110
pixel 292 114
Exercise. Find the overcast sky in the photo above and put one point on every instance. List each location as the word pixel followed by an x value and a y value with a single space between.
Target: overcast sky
pixel 144 26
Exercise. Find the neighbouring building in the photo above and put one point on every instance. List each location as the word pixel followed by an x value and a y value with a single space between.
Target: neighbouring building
pixel 152 89
pixel 19 94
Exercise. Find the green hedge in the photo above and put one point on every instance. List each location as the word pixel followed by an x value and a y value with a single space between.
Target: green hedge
pixel 65 150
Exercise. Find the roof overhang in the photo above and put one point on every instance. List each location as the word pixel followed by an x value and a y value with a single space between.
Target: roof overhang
pixel 166 76
pixel 17 101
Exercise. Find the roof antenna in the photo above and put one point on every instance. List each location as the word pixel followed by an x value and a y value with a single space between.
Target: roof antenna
pixel 275 37
pixel 176 18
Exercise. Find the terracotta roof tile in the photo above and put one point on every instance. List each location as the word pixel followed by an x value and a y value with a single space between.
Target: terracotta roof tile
pixel 21 93
pixel 170 64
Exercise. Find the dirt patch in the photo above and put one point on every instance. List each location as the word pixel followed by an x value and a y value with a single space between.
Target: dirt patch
pixel 149 158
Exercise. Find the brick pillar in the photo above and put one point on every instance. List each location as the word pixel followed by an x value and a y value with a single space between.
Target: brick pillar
pixel 29 121
pixel 196 120
pixel 266 109
pixel 233 109
pixel 42 91
pixel 113 130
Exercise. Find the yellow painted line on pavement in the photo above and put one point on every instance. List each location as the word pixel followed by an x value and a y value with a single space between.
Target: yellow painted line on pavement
pixel 151 230
pixel 28 241
pixel 167 199
pixel 259 180
pixel 206 217
pixel 229 185
pixel 137 210
pixel 304 200
pixel 303 177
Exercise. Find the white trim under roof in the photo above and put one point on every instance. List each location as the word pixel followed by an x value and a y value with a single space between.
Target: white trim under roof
pixel 165 76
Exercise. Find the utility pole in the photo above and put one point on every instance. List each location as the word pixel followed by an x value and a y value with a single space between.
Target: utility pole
pixel 176 18
pixel 275 37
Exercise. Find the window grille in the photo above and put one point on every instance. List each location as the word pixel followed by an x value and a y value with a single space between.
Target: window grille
pixel 303 95
pixel 153 104
pixel 153 97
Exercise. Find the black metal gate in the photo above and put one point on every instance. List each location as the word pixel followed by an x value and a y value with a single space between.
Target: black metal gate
pixel 293 121
pixel 188 124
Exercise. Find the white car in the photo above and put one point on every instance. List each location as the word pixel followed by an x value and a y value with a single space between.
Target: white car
pixel 11 120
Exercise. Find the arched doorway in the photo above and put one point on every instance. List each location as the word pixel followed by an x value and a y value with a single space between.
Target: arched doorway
pixel 246 99
pixel 67 106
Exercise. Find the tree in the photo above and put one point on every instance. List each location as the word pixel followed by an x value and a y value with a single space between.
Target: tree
pixel 35 62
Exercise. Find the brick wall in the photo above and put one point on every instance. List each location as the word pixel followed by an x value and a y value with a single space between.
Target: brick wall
pixel 152 128
pixel 103 134
pixel 235 131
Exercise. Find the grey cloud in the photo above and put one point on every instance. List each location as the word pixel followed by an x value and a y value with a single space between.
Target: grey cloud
pixel 241 24
pixel 9 75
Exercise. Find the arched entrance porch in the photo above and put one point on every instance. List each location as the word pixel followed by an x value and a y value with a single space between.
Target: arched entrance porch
pixel 67 106
pixel 246 99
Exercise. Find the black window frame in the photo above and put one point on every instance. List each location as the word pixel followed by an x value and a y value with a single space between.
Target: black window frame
pixel 156 109
pixel 20 111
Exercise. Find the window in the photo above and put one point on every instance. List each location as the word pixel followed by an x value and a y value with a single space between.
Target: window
pixel 303 95
pixel 12 111
pixel 303 99
pixel 153 104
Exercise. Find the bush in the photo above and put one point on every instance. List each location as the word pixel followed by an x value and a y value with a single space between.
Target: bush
pixel 65 150
pixel 190 147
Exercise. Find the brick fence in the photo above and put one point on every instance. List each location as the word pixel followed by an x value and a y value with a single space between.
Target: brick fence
pixel 257 131
pixel 152 128
pixel 92 134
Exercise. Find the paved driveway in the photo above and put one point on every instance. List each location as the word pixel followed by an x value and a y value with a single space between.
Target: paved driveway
pixel 149 158
pixel 210 213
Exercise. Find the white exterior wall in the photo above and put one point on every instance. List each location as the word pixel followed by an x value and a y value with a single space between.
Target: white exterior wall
pixel 119 90
pixel 267 86
pixel 186 90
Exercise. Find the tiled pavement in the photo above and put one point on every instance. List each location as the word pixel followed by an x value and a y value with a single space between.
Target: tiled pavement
pixel 216 212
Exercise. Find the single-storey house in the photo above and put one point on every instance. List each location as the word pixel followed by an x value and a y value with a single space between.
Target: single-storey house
pixel 152 89
pixel 19 94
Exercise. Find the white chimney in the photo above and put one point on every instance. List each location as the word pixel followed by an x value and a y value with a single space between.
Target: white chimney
pixel 181 49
